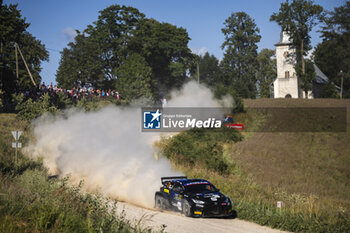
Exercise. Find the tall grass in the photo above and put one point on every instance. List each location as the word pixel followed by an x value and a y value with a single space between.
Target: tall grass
pixel 309 172
pixel 31 202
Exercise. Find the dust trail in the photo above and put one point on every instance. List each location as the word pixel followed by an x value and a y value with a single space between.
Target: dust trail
pixel 194 95
pixel 107 149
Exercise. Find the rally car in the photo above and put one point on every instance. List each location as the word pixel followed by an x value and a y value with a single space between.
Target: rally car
pixel 192 197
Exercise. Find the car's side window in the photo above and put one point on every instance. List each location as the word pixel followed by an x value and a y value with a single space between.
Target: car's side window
pixel 177 188
pixel 169 185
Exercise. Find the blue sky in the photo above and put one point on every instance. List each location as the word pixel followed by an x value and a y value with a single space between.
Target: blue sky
pixel 53 22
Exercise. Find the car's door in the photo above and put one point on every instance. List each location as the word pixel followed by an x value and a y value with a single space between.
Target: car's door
pixel 176 195
pixel 167 190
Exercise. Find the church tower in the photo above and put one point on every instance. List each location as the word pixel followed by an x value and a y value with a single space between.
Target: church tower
pixel 286 84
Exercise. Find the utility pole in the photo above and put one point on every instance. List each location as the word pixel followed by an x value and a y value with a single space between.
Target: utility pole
pixel 30 75
pixel 341 84
pixel 16 61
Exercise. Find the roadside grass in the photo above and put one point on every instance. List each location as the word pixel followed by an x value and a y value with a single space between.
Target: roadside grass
pixel 308 172
pixel 31 202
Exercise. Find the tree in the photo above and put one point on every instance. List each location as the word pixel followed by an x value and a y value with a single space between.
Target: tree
pixel 99 50
pixel 266 71
pixel 102 52
pixel 81 64
pixel 165 48
pixel 13 30
pixel 308 76
pixel 239 62
pixel 134 78
pixel 332 55
pixel 112 33
pixel 210 72
pixel 297 19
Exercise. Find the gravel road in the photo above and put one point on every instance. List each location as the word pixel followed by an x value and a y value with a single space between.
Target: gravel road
pixel 177 223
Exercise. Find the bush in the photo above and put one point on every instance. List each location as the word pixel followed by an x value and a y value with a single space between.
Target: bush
pixel 29 109
pixel 202 146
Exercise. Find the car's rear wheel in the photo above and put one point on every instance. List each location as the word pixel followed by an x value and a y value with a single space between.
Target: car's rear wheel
pixel 186 209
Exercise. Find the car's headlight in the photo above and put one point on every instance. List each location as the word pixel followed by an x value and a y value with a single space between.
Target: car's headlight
pixel 198 201
pixel 228 201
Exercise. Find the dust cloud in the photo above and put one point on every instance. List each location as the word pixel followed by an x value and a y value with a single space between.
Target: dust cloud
pixel 194 95
pixel 107 150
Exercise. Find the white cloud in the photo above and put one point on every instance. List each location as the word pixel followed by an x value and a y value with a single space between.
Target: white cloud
pixel 200 51
pixel 69 34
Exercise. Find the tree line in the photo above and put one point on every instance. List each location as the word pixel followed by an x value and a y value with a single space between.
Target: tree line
pixel 142 57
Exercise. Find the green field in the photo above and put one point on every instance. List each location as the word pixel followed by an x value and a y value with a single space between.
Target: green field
pixel 308 171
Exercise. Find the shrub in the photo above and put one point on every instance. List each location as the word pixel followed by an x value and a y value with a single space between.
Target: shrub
pixel 29 109
pixel 201 146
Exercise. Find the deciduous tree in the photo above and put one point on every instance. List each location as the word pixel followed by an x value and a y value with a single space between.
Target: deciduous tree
pixel 134 78
pixel 13 29
pixel 101 54
pixel 81 64
pixel 165 48
pixel 99 50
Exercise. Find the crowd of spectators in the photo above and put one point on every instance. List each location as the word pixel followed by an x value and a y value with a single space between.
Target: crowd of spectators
pixel 74 94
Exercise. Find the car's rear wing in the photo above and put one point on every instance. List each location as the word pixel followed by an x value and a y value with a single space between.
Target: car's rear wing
pixel 171 178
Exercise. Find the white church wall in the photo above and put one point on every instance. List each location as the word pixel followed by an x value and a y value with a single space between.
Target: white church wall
pixel 286 82
pixel 285 63
pixel 286 86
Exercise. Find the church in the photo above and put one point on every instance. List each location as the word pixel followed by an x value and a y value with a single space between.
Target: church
pixel 286 84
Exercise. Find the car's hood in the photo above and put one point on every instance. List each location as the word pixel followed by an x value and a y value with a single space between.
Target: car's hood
pixel 208 197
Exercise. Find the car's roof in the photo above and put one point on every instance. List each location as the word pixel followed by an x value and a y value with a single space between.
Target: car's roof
pixel 187 182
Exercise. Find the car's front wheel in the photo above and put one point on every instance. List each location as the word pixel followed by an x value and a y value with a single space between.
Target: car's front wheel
pixel 186 209
pixel 159 202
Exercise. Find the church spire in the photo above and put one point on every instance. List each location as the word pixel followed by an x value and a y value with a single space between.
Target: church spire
pixel 284 38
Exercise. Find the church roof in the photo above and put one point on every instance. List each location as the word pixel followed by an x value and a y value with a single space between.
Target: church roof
pixel 321 78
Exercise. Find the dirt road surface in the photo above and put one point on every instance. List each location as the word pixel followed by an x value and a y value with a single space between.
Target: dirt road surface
pixel 177 223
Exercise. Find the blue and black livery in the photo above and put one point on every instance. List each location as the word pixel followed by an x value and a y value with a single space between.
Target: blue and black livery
pixel 192 197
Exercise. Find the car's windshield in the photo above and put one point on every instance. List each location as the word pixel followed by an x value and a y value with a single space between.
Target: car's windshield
pixel 200 188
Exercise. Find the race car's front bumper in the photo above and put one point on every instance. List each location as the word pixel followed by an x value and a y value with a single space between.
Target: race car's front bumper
pixel 214 210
